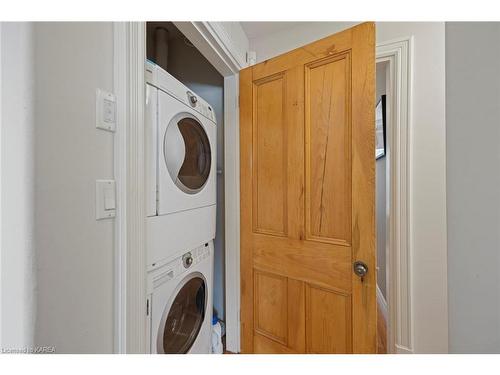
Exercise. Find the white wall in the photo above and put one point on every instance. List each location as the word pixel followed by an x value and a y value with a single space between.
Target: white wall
pixel 74 251
pixel 427 170
pixel 17 176
pixel 271 45
pixel 473 151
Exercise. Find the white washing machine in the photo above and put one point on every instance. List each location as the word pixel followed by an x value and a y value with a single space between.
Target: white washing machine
pixel 180 303
pixel 181 140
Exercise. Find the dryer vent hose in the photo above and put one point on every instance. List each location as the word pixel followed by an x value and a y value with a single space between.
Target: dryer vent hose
pixel 161 47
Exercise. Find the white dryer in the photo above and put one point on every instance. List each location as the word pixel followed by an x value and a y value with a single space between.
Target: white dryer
pixel 180 304
pixel 181 139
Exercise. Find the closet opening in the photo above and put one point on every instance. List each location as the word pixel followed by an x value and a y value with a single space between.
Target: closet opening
pixel 382 201
pixel 167 47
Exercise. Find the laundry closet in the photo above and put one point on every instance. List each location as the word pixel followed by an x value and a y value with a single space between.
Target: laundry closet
pixel 198 180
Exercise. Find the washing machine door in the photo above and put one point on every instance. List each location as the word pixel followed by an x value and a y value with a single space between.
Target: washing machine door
pixel 187 153
pixel 183 316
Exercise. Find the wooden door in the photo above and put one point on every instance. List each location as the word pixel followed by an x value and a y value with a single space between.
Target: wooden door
pixel 307 198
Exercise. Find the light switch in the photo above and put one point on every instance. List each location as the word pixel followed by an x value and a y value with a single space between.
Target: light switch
pixel 105 201
pixel 109 199
pixel 105 110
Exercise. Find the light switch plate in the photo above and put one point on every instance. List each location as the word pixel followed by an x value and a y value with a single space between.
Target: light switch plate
pixel 105 199
pixel 105 110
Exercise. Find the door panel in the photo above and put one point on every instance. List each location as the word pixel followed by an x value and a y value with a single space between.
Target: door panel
pixel 328 176
pixel 271 306
pixel 307 198
pixel 327 265
pixel 269 157
pixel 328 320
pixel 264 345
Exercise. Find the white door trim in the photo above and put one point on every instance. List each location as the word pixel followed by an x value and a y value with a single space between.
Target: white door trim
pixel 211 39
pixel 120 89
pixel 398 53
pixel 1 182
pixel 232 210
pixel 130 251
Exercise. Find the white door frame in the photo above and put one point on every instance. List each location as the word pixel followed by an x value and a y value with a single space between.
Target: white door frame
pixel 130 251
pixel 1 182
pixel 398 54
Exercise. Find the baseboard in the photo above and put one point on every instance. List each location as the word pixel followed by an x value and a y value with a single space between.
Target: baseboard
pixel 403 350
pixel 383 304
pixel 385 312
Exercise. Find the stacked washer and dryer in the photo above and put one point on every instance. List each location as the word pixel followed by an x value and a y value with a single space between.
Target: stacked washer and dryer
pixel 181 213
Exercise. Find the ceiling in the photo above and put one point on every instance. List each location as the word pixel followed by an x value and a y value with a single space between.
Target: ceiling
pixel 257 29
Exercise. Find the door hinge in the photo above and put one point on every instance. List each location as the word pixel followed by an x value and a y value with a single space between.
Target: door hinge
pixel 147 307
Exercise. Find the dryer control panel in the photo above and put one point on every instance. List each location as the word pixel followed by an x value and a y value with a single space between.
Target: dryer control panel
pixel 158 77
pixel 204 108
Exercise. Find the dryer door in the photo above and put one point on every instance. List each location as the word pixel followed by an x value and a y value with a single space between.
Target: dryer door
pixel 188 156
pixel 187 146
pixel 184 316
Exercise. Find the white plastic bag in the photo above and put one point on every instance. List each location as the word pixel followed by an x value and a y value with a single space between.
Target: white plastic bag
pixel 217 337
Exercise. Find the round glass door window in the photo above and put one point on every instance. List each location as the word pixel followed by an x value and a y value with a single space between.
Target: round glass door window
pixel 187 153
pixel 184 318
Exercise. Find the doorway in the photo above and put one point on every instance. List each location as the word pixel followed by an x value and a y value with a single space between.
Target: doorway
pixel 383 95
pixel 394 268
pixel 169 48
